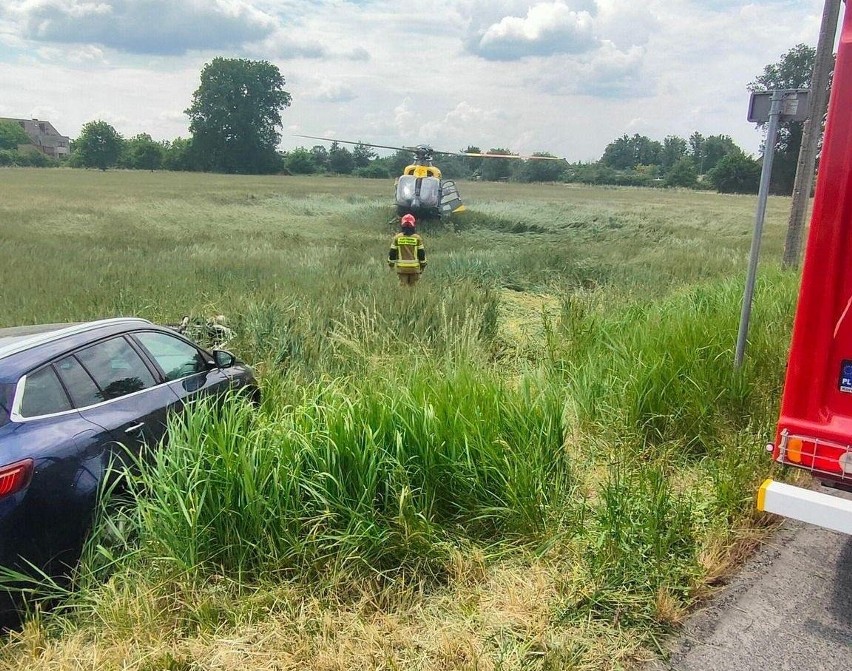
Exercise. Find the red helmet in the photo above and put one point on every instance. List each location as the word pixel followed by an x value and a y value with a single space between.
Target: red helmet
pixel 407 221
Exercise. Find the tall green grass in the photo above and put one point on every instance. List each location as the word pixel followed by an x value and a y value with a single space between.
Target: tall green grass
pixel 387 475
pixel 664 372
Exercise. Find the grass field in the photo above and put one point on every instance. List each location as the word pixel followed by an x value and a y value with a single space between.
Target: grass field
pixel 539 458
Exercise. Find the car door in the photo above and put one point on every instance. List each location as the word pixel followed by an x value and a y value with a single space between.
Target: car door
pixel 128 397
pixel 189 370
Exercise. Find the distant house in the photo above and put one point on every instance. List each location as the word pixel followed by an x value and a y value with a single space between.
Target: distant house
pixel 44 136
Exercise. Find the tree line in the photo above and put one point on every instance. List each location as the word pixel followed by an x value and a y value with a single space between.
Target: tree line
pixel 235 114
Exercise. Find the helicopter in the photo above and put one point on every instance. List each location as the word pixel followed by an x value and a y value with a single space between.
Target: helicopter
pixel 421 190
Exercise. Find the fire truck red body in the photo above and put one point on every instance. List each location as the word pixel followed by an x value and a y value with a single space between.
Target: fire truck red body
pixel 815 426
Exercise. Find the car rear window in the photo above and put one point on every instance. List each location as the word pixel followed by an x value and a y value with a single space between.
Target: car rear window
pixel 116 368
pixel 43 394
pixel 7 391
pixel 78 383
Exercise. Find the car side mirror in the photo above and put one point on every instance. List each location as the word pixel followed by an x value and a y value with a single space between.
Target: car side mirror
pixel 223 358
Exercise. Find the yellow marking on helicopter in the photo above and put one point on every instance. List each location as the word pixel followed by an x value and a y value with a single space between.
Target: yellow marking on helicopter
pixel 422 171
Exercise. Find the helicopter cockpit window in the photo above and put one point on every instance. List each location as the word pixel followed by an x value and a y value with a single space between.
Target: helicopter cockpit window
pixel 405 189
pixel 430 191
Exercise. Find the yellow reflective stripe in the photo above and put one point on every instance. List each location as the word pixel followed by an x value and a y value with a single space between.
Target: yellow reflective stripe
pixel 407 263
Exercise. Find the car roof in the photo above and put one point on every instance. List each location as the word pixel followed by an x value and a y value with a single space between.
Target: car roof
pixel 22 339
pixel 19 334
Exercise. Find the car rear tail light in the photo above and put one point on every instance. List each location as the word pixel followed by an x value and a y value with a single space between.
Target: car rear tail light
pixel 14 477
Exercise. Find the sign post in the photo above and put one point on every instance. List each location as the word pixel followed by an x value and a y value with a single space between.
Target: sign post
pixel 773 106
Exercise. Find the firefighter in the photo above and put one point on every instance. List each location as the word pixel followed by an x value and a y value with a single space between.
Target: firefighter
pixel 406 254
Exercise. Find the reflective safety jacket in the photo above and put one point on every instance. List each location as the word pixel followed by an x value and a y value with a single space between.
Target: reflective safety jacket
pixel 406 254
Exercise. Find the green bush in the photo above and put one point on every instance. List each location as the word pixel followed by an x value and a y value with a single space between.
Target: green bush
pixel 372 171
pixel 736 173
pixel 682 174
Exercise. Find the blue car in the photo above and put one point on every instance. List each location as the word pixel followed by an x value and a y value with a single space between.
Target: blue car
pixel 72 399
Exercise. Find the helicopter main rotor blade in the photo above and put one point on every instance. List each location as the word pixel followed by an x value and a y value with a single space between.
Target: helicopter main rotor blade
pixel 429 149
pixel 365 144
pixel 526 158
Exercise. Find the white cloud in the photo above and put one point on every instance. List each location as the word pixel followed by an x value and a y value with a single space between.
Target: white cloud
pixel 461 124
pixel 150 27
pixel 43 112
pixel 173 116
pixel 625 24
pixel 329 91
pixel 405 118
pixel 548 28
pixel 87 53
pixel 605 73
pixel 359 54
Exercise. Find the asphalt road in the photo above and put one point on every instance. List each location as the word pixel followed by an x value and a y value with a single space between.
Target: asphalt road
pixel 790 607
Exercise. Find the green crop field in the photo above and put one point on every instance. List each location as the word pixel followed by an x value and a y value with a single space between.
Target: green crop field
pixel 540 457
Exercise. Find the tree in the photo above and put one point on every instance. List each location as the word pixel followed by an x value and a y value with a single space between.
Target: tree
pixel 235 114
pixel 373 171
pixel 12 135
pixel 400 161
pixel 682 173
pixel 453 167
pixel 142 153
pixel 473 164
pixel 319 155
pixel 619 154
pixel 178 155
pixel 362 155
pixel 300 161
pixel 340 159
pixel 674 149
pixel 736 173
pixel 494 169
pixel 98 146
pixel 396 163
pixel 715 148
pixel 627 152
pixel 792 71
pixel 696 150
pixel 542 171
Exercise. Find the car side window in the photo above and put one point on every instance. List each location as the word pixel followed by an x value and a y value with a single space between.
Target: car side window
pixel 116 368
pixel 78 383
pixel 43 394
pixel 177 358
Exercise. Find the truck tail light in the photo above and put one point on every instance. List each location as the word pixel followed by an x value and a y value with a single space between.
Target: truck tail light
pixel 794 450
pixel 14 477
pixel 816 454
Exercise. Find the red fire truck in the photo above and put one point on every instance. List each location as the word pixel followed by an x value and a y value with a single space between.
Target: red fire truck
pixel 815 427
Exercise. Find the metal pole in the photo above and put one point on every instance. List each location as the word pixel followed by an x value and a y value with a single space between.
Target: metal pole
pixel 811 131
pixel 763 193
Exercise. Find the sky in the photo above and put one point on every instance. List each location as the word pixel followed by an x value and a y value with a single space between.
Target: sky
pixel 563 76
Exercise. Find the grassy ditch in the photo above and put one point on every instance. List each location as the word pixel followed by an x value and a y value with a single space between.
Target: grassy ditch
pixel 540 458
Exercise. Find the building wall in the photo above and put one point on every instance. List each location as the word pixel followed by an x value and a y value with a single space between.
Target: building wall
pixel 45 137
